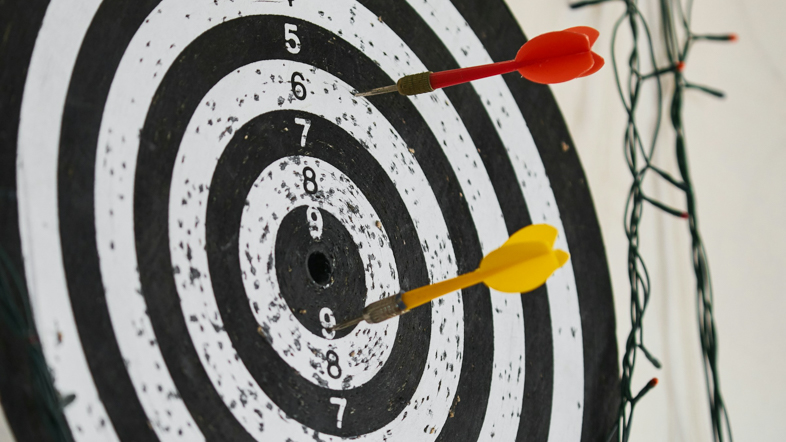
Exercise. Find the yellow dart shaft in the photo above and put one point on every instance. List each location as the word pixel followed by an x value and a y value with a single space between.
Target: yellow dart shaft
pixel 423 295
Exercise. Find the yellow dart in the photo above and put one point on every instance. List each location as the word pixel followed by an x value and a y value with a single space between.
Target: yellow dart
pixel 522 264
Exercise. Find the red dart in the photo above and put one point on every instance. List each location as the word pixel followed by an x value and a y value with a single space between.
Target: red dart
pixel 554 57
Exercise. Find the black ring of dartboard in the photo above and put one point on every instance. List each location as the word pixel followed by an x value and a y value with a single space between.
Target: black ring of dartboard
pixel 253 147
pixel 237 43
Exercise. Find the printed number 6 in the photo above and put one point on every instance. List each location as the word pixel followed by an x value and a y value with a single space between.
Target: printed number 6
pixel 290 36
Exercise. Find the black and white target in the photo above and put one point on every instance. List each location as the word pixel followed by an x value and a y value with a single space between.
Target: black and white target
pixel 200 196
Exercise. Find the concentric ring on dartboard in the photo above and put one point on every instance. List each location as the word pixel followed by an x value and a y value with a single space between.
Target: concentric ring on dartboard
pixel 318 266
pixel 279 190
pixel 254 146
pixel 124 415
pixel 261 211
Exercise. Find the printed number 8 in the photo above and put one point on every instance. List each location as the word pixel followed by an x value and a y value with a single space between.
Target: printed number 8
pixel 332 360
pixel 310 181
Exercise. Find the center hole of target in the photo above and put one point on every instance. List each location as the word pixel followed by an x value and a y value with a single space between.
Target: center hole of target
pixel 319 268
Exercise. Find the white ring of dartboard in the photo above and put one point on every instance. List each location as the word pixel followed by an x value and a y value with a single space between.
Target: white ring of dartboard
pixel 215 197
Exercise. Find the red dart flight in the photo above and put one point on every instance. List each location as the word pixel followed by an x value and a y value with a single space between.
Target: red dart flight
pixel 554 57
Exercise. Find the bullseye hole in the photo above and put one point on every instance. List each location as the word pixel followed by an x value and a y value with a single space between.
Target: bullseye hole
pixel 319 268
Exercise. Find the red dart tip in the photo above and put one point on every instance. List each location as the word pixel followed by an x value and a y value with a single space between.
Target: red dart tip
pixel 732 37
pixel 680 67
pixel 684 215
pixel 653 382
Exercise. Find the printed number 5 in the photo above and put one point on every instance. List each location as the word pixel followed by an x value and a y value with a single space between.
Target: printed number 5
pixel 342 404
pixel 290 36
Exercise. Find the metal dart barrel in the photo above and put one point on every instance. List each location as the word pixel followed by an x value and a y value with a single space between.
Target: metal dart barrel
pixel 378 311
pixel 409 85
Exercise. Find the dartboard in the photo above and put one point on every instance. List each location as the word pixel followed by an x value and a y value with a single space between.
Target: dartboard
pixel 201 197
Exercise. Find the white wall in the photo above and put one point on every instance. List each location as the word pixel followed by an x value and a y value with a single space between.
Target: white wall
pixel 737 152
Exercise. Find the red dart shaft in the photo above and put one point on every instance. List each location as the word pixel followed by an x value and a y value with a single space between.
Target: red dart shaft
pixel 457 76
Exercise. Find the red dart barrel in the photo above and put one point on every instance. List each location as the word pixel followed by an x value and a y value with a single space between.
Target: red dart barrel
pixel 463 75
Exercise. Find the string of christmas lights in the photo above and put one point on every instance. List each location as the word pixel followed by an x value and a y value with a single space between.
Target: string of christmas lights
pixel 678 38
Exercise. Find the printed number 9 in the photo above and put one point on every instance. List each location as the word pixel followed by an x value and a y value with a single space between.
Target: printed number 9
pixel 327 320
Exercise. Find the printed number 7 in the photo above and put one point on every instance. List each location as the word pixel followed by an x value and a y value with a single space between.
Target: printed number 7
pixel 306 125
pixel 342 404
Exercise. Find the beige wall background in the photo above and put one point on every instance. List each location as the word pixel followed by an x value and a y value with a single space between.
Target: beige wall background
pixel 737 151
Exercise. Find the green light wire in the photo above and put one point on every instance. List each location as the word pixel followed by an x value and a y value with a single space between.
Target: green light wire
pixel 639 159
pixel 17 316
